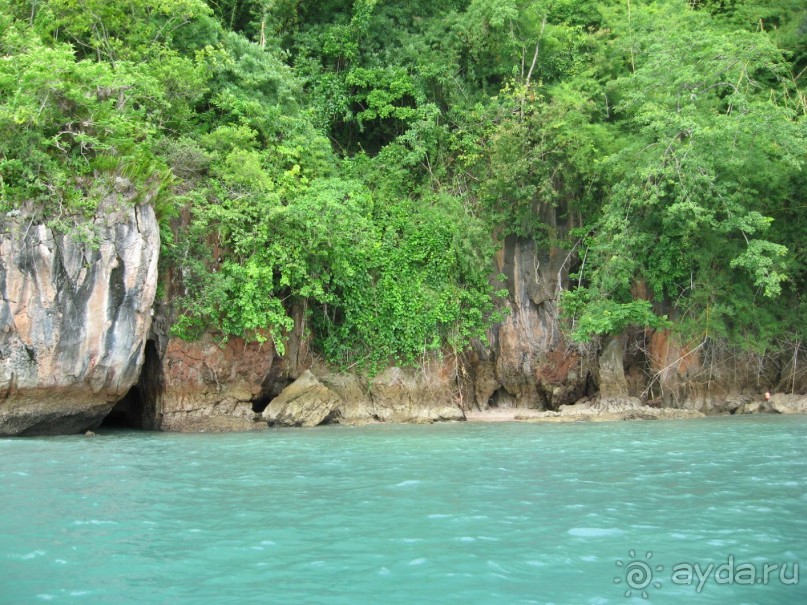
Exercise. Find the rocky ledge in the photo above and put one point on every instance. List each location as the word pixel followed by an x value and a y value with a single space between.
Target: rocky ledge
pixel 393 396
pixel 245 386
pixel 780 403
pixel 597 410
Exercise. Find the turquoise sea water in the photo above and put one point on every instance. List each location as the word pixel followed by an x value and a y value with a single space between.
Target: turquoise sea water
pixel 465 514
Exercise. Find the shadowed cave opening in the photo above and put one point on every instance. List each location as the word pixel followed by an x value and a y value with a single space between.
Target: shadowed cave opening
pixel 273 384
pixel 138 408
pixel 501 398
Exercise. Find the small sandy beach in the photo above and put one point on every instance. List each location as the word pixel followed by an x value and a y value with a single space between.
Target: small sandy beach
pixel 502 415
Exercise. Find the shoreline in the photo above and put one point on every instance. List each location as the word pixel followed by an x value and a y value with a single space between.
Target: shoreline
pixel 629 408
pixel 541 416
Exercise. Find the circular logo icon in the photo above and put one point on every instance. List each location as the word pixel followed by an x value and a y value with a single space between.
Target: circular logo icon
pixel 638 574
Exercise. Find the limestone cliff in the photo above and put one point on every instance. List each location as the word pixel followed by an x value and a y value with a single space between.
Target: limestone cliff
pixel 74 317
pixel 527 364
pixel 77 344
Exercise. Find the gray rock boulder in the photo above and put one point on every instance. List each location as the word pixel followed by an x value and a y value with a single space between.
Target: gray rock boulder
pixel 305 402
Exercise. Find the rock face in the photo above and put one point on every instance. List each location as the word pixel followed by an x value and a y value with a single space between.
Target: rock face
pixel 209 386
pixel 530 329
pixel 527 364
pixel 613 384
pixel 789 404
pixel 674 368
pixel 74 319
pixel 213 387
pixel 716 379
pixel 408 396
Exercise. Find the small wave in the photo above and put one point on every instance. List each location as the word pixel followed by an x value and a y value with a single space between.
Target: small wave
pixel 595 532
pixel 721 542
pixel 28 556
pixel 408 483
pixel 493 565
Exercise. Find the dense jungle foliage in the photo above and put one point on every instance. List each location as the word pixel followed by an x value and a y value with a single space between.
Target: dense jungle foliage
pixel 365 158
